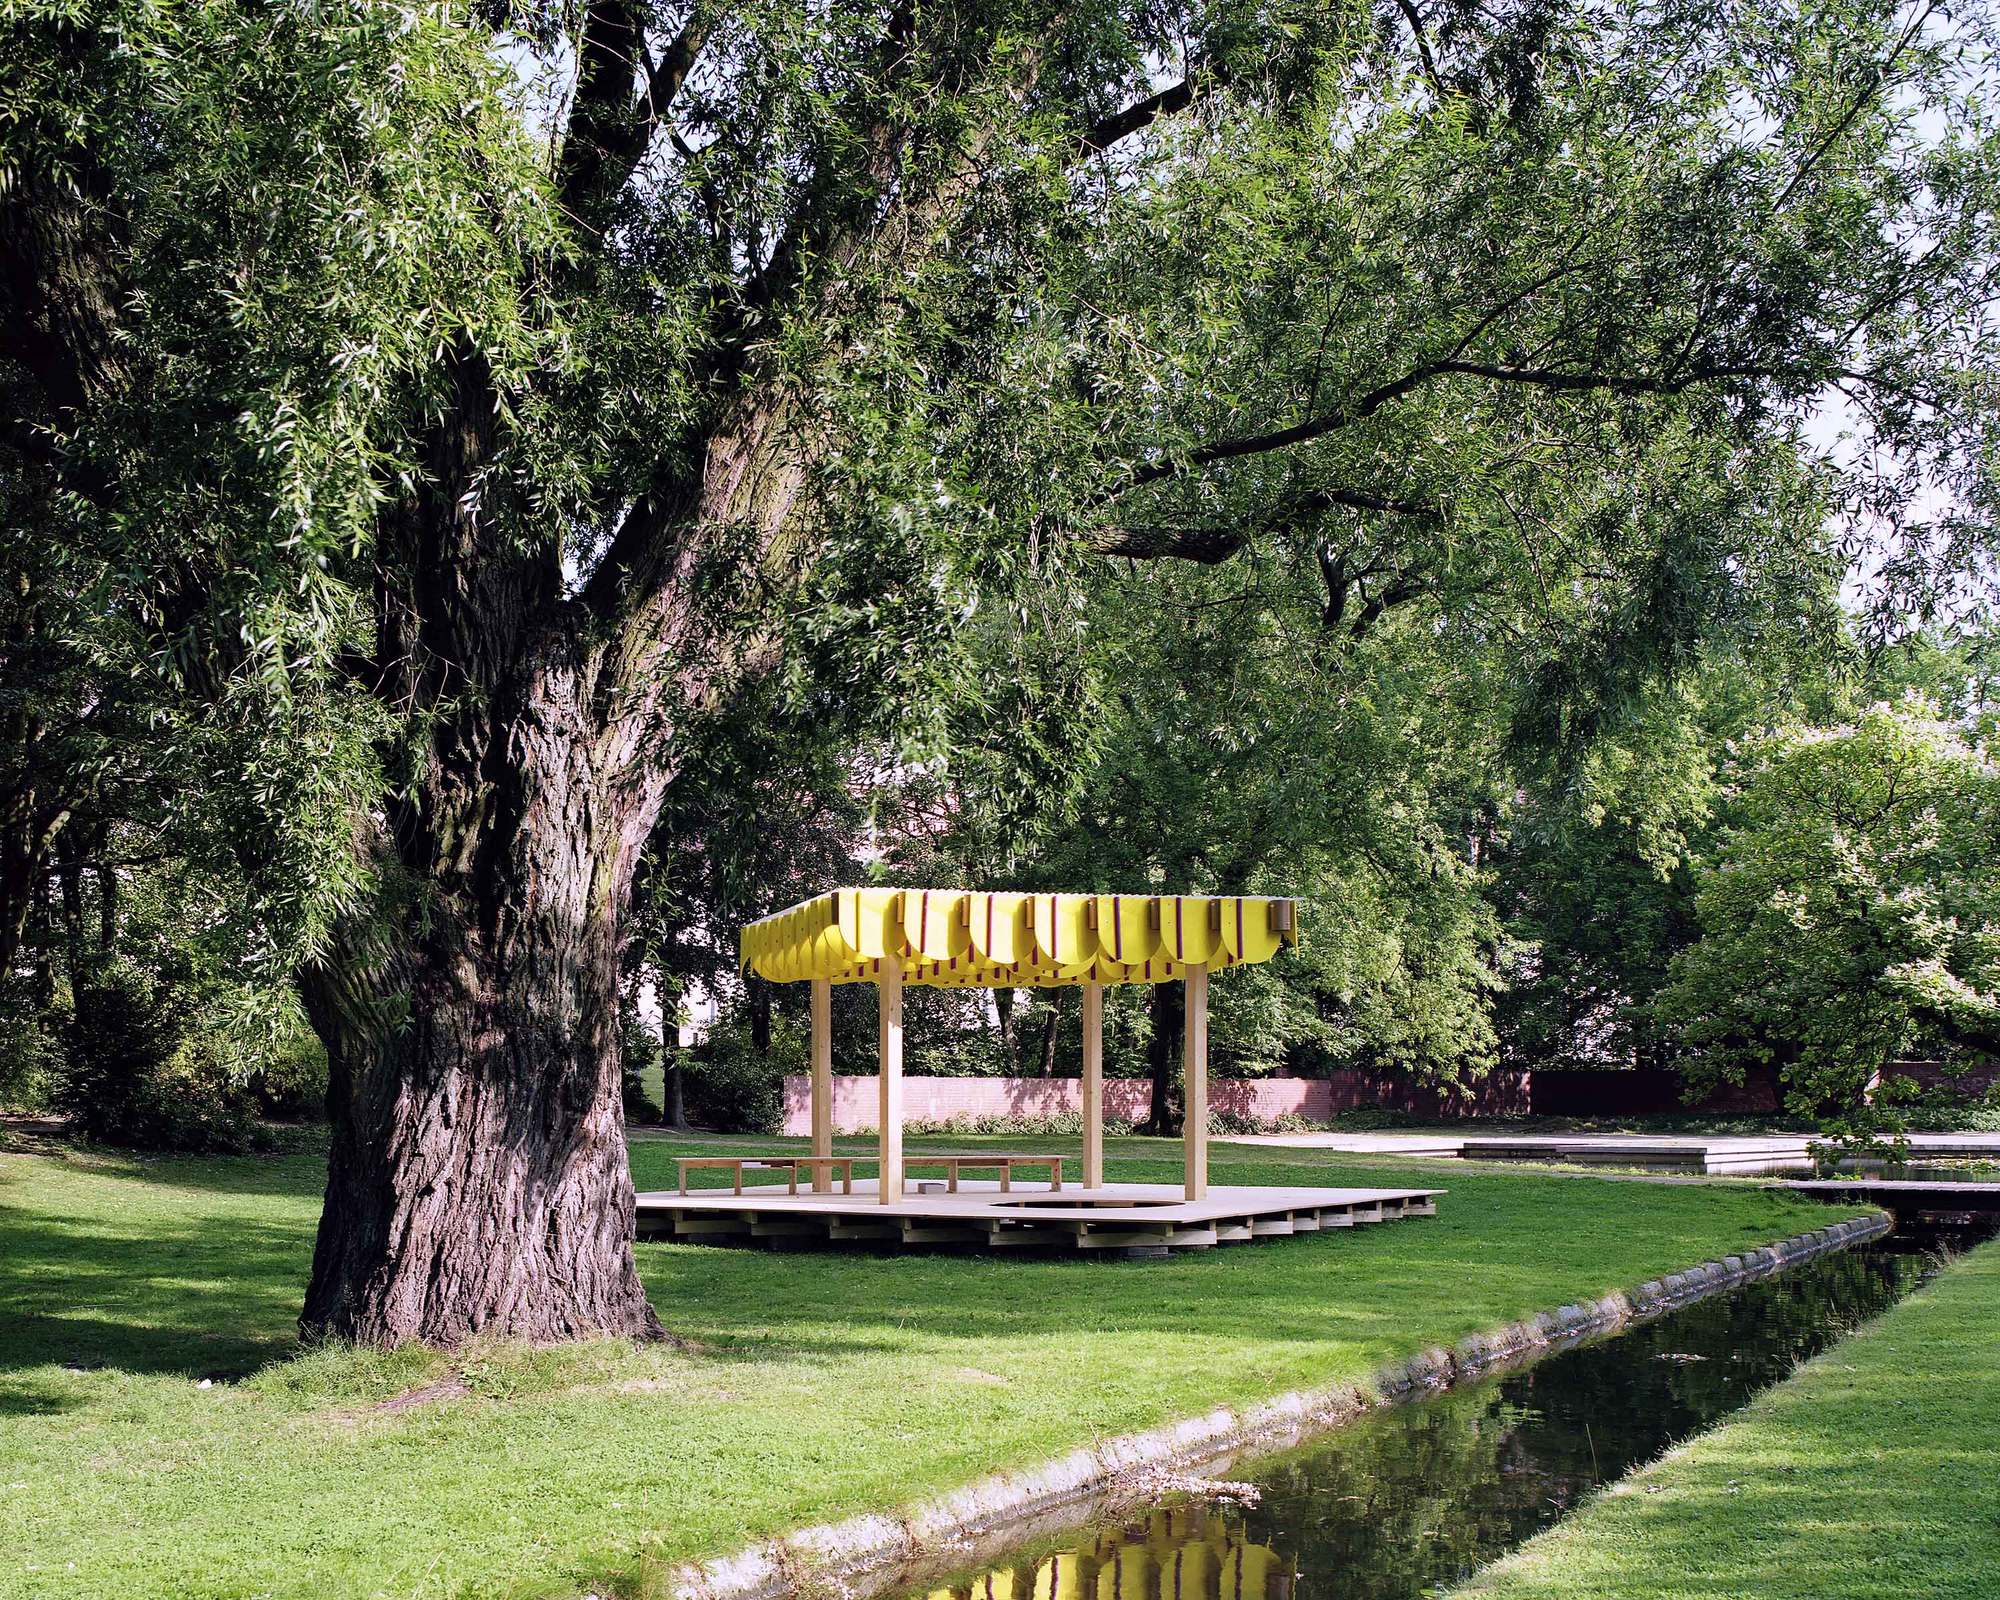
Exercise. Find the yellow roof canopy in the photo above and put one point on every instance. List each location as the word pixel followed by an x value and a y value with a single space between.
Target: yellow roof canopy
pixel 967 939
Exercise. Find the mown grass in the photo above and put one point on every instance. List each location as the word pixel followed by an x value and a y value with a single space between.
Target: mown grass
pixel 825 1384
pixel 1873 1473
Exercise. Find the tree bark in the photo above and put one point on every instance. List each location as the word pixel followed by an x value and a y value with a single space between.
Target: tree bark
pixel 1162 1056
pixel 1003 1012
pixel 760 1015
pixel 477 1181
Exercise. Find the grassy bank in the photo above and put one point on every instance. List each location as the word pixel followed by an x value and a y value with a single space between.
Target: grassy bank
pixel 160 1435
pixel 1872 1474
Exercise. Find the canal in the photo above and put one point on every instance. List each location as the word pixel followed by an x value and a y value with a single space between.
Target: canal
pixel 1416 1497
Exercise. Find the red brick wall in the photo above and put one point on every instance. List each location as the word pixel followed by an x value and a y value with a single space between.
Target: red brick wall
pixel 1969 1084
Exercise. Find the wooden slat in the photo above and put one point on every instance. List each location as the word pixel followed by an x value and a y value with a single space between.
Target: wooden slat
pixel 889 1107
pixel 1194 1075
pixel 1093 1085
pixel 822 1081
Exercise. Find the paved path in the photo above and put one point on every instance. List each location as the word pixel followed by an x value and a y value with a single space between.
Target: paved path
pixel 1674 1152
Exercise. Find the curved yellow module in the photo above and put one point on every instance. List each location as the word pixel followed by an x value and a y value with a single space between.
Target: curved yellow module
pixel 959 938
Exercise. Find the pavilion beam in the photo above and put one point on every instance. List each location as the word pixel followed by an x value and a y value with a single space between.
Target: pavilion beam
pixel 822 1081
pixel 889 1104
pixel 1194 1076
pixel 1093 1086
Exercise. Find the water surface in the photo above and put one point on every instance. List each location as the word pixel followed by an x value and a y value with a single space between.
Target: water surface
pixel 1415 1498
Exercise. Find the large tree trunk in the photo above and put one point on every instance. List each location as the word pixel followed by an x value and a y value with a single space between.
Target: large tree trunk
pixel 478 1180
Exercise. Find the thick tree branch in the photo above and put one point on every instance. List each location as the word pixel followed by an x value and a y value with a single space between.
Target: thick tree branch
pixel 612 124
pixel 1211 545
pixel 1311 428
pixel 1415 19
pixel 1139 115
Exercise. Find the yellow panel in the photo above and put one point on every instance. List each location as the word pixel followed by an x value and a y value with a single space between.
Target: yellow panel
pixel 1246 928
pixel 934 922
pixel 1158 970
pixel 871 923
pixel 998 924
pixel 1063 935
pixel 829 953
pixel 1008 940
pixel 1127 928
pixel 1186 930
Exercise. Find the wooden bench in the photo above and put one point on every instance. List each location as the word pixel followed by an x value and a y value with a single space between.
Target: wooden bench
pixel 788 1164
pixel 1006 1163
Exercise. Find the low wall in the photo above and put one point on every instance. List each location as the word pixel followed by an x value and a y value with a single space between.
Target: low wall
pixel 1128 1099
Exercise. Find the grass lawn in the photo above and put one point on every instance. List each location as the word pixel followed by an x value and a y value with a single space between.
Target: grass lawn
pixel 826 1384
pixel 1872 1474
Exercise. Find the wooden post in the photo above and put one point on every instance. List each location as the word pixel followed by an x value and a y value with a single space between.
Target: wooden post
pixel 1093 1086
pixel 889 1108
pixel 822 1082
pixel 1194 1076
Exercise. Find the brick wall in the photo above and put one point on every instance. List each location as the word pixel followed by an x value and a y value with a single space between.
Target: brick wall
pixel 1970 1084
pixel 1583 1093
pixel 1549 1093
pixel 1127 1099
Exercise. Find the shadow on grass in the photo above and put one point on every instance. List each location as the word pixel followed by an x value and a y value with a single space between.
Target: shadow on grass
pixel 210 1298
pixel 197 1267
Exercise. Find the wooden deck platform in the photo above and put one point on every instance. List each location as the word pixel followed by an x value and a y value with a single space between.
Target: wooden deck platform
pixel 1142 1218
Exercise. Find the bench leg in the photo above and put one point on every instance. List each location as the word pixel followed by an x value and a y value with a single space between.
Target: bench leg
pixel 1055 1176
pixel 847 1177
pixel 684 1178
pixel 739 1177
pixel 1006 1177
pixel 791 1180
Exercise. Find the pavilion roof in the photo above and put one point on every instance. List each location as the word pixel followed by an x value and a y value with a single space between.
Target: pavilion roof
pixel 973 939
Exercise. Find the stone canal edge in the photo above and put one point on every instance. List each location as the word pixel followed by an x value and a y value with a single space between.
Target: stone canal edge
pixel 869 1553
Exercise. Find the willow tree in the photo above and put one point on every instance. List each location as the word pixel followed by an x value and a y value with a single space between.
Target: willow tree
pixel 474 400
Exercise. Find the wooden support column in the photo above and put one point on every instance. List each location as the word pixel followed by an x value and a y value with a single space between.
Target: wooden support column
pixel 822 1081
pixel 889 1106
pixel 1093 1086
pixel 1194 1082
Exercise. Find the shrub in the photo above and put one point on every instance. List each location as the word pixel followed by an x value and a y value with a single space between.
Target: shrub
pixel 1943 1110
pixel 735 1088
pixel 135 1074
pixel 289 1080
pixel 31 1054
pixel 1284 1122
pixel 1062 1125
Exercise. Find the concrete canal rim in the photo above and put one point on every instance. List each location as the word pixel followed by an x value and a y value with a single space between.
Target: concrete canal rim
pixel 877 1553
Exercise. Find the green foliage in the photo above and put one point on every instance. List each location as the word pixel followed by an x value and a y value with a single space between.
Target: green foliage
pixel 136 1074
pixel 734 1087
pixel 31 1051
pixel 1849 910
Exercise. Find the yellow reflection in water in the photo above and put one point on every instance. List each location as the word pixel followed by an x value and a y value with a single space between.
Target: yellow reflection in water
pixel 1187 1553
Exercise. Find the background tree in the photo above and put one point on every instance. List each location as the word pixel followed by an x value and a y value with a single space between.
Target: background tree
pixel 473 404
pixel 1849 909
